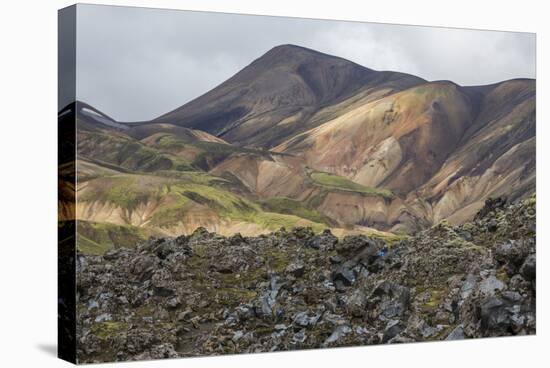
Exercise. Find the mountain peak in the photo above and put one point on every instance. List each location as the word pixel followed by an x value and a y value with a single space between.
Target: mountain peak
pixel 295 55
pixel 289 48
pixel 287 83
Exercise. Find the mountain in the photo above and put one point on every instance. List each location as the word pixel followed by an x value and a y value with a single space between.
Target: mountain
pixel 449 146
pixel 281 93
pixel 299 137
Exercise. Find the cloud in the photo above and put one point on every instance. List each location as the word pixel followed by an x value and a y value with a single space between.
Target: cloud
pixel 137 63
pixel 467 57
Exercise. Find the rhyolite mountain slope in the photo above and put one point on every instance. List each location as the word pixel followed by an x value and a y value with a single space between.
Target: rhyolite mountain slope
pixel 299 137
pixel 449 146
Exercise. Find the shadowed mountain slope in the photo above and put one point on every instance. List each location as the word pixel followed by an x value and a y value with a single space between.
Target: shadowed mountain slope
pixel 277 94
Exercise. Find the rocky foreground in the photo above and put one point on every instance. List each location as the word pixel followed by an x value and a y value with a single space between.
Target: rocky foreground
pixel 206 294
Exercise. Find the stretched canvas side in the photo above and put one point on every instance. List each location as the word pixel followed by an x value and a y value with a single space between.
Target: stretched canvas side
pixel 66 289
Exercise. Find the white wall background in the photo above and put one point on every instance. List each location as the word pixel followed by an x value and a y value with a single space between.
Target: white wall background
pixel 28 180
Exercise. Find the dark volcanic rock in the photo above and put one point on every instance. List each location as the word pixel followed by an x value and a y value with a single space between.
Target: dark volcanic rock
pixel 503 314
pixel 512 252
pixel 296 269
pixel 393 328
pixel 389 300
pixel 529 267
pixel 456 334
pixel 344 274
pixel 491 205
pixel 324 241
pixel 205 294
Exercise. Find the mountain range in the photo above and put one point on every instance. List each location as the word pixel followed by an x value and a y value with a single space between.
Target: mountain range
pixel 299 137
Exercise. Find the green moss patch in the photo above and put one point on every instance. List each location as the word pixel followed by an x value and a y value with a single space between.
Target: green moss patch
pixel 291 207
pixel 118 149
pixel 104 330
pixel 331 181
pixel 96 238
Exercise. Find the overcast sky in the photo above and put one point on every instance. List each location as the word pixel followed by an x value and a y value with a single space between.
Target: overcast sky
pixel 137 63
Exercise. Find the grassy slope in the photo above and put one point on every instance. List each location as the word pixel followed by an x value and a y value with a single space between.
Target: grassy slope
pixel 331 181
pixel 97 238
pixel 128 173
pixel 177 197
pixel 292 207
pixel 201 154
pixel 118 149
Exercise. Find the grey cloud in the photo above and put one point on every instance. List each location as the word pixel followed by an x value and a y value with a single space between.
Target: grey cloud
pixel 136 63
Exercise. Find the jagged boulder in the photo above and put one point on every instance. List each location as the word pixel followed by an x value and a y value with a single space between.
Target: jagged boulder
pixel 389 300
